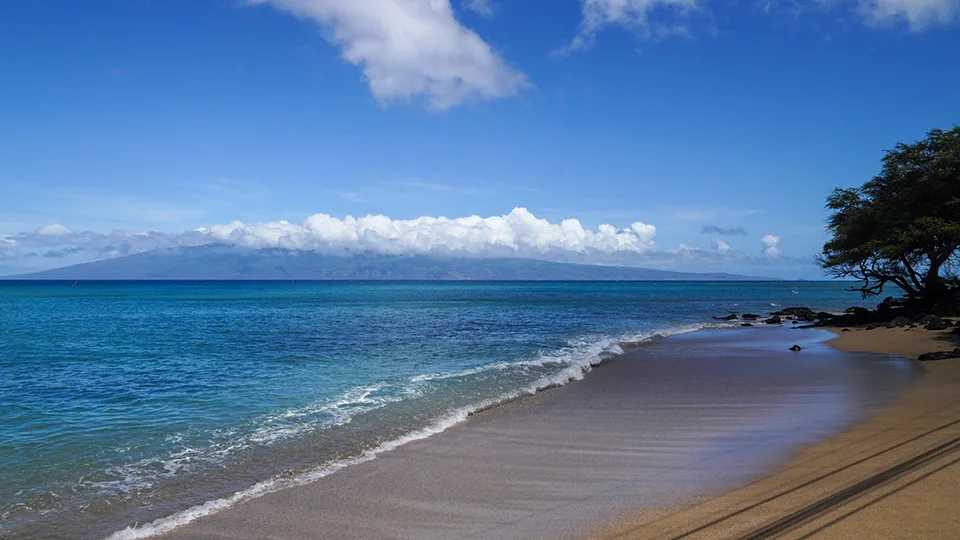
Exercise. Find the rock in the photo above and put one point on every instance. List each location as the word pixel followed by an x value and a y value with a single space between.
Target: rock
pixel 795 348
pixel 873 326
pixel 958 324
pixel 923 319
pixel 794 311
pixel 824 315
pixel 857 310
pixel 749 316
pixel 892 303
pixel 943 355
pixel 730 317
pixel 845 330
pixel 746 324
pixel 936 324
pixel 774 320
pixel 795 322
pixel 899 322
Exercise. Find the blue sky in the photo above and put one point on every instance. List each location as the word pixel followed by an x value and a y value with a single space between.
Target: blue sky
pixel 722 124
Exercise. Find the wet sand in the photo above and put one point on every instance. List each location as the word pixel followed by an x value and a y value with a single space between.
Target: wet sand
pixel 894 476
pixel 665 424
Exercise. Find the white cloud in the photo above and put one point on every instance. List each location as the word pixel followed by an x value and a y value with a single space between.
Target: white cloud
pixel 54 229
pixel 481 7
pixel 411 49
pixel 917 14
pixel 771 245
pixel 634 14
pixel 517 233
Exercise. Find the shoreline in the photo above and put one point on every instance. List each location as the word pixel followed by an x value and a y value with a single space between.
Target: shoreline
pixel 894 475
pixel 561 463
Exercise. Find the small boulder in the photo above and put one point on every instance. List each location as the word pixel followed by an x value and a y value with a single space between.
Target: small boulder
pixel 749 316
pixel 824 315
pixel 774 320
pixel 746 324
pixel 796 348
pixel 943 355
pixel 936 324
pixel 845 330
pixel 730 317
pixel 923 319
pixel 873 326
pixel 898 322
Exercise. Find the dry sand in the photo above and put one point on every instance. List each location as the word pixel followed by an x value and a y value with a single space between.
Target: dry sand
pixel 894 476
pixel 665 424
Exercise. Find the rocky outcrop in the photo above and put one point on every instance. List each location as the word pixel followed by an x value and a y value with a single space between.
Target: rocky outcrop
pixel 943 355
pixel 774 320
pixel 750 317
pixel 730 317
pixel 796 348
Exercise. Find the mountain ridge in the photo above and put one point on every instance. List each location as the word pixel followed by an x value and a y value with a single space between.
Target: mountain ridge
pixel 217 262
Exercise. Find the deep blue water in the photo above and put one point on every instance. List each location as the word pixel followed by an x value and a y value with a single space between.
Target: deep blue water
pixel 126 402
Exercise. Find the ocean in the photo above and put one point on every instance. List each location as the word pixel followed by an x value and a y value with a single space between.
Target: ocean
pixel 129 407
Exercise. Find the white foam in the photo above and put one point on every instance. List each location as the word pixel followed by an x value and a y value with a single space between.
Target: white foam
pixel 579 357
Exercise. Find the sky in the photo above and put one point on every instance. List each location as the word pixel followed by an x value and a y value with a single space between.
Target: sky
pixel 693 135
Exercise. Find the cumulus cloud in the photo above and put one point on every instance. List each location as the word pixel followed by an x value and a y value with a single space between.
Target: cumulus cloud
pixel 519 232
pixel 731 231
pixel 411 49
pixel 771 245
pixel 917 14
pixel 54 229
pixel 720 245
pixel 633 14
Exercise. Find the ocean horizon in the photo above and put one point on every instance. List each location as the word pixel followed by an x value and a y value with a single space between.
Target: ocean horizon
pixel 131 403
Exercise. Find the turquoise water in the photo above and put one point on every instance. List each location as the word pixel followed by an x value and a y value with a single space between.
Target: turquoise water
pixel 121 403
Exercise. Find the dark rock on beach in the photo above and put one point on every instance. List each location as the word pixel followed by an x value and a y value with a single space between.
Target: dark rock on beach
pixel 774 320
pixel 795 348
pixel 730 317
pixel 750 317
pixel 936 324
pixel 747 324
pixel 943 355
pixel 899 322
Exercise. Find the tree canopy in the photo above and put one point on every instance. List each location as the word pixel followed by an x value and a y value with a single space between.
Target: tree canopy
pixel 903 226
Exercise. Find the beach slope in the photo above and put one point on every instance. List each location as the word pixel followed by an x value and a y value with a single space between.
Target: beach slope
pixel 894 476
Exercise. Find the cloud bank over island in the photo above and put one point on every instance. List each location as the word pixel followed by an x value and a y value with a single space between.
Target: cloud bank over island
pixel 517 234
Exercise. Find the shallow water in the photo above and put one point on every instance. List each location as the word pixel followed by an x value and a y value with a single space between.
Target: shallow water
pixel 124 402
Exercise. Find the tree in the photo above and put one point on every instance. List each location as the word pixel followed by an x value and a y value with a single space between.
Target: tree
pixel 903 226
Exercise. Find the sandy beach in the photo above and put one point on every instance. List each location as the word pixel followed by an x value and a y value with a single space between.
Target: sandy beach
pixel 675 421
pixel 894 476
